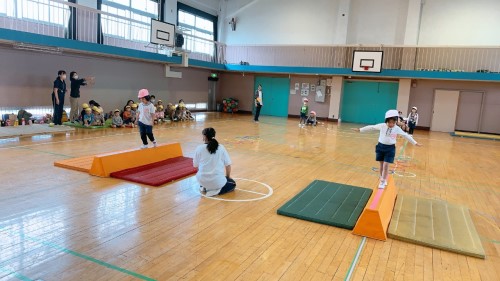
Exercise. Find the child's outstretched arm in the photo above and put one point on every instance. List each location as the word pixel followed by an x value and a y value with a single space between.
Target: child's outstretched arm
pixel 367 128
pixel 408 137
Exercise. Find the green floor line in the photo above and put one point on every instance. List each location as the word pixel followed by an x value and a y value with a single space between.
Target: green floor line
pixel 85 257
pixel 355 259
pixel 15 274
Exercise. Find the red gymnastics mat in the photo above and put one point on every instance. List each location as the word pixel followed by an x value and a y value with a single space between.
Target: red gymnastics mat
pixel 158 173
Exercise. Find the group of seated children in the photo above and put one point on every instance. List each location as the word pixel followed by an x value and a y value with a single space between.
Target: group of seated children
pixel 92 114
pixel 175 113
pixel 306 117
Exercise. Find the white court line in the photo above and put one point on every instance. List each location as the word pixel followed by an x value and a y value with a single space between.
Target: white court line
pixel 249 191
pixel 264 196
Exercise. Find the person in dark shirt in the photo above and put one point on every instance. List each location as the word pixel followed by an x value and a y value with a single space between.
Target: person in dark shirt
pixel 74 95
pixel 58 93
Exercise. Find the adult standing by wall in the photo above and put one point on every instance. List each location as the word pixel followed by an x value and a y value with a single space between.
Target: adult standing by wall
pixel 74 94
pixel 58 93
pixel 258 103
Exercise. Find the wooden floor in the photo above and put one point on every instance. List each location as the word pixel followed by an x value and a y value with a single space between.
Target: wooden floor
pixel 58 224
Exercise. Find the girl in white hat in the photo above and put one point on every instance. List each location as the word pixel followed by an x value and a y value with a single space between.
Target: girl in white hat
pixel 412 120
pixel 386 147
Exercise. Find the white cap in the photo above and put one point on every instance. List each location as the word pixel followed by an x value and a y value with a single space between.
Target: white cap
pixel 391 113
pixel 414 108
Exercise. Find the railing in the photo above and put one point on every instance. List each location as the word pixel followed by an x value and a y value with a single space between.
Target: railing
pixel 450 59
pixel 115 30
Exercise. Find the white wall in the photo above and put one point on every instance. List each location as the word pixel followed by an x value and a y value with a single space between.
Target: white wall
pixel 460 22
pixel 377 22
pixel 281 22
pixel 289 22
pixel 171 11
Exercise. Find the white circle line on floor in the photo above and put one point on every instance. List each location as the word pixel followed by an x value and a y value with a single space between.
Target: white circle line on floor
pixel 263 195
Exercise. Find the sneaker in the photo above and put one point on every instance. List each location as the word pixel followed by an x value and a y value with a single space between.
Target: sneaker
pixel 381 185
pixel 154 144
pixel 202 189
pixel 144 146
pixel 300 125
pixel 385 181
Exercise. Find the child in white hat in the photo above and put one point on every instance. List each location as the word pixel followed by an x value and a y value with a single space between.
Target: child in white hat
pixel 386 147
pixel 412 120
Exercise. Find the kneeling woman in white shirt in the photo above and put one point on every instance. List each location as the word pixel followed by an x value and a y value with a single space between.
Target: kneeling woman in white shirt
pixel 214 166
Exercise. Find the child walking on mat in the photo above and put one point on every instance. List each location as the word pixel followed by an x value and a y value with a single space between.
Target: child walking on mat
pixel 145 118
pixel 386 147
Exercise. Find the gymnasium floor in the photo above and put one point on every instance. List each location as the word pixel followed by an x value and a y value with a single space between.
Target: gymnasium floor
pixel 57 224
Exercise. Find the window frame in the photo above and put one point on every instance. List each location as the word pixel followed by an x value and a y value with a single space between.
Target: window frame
pixel 19 12
pixel 130 25
pixel 198 13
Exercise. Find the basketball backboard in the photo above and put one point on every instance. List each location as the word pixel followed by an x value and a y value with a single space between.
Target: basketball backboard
pixel 162 33
pixel 367 61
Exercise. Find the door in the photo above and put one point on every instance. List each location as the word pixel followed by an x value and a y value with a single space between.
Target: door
pixel 469 111
pixel 444 113
pixel 366 102
pixel 491 114
pixel 275 93
pixel 212 88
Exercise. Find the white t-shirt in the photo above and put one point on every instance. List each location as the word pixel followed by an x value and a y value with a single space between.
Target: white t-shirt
pixel 388 135
pixel 211 168
pixel 259 98
pixel 145 111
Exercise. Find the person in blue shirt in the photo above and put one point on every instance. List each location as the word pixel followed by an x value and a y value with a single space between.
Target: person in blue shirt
pixel 58 93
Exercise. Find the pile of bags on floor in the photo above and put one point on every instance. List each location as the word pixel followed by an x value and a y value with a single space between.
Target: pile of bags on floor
pixel 230 105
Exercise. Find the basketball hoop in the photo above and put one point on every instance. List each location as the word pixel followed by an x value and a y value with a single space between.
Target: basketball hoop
pixel 366 68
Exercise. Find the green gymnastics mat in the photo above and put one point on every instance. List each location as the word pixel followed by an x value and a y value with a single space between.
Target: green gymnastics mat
pixel 436 224
pixel 328 203
pixel 107 124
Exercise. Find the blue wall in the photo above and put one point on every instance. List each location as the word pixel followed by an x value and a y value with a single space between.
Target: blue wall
pixel 275 93
pixel 366 102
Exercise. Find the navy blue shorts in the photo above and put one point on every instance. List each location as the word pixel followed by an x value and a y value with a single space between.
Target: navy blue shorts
pixel 385 152
pixel 303 116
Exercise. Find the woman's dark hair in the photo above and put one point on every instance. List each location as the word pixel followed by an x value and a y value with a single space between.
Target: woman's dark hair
pixel 395 119
pixel 71 74
pixel 153 96
pixel 181 100
pixel 94 103
pixel 129 102
pixel 212 144
pixel 61 72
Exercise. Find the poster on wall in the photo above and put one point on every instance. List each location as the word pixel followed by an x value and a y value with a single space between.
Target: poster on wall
pixel 296 89
pixel 313 88
pixel 305 90
pixel 320 94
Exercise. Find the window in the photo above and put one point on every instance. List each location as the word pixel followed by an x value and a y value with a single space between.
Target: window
pixel 36 10
pixel 8 8
pixel 198 24
pixel 134 21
